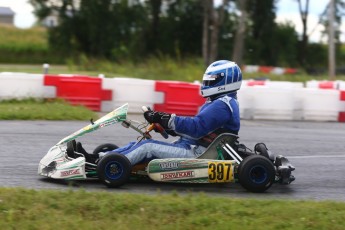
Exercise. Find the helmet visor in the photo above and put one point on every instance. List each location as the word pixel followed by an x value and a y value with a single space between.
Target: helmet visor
pixel 212 79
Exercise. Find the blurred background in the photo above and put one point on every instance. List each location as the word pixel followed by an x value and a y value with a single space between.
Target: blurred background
pixel 173 39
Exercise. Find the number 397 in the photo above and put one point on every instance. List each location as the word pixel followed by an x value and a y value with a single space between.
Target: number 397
pixel 220 172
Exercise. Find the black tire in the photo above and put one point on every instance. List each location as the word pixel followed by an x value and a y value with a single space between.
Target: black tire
pixel 105 148
pixel 114 170
pixel 256 173
pixel 261 149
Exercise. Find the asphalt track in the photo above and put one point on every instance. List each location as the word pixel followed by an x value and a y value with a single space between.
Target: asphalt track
pixel 316 149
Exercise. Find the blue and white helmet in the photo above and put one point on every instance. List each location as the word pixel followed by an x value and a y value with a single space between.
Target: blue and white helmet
pixel 221 77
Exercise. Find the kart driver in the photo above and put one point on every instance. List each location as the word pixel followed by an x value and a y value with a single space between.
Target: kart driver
pixel 220 114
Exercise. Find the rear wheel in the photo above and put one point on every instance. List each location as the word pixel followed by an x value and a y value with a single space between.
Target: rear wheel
pixel 105 148
pixel 114 170
pixel 256 173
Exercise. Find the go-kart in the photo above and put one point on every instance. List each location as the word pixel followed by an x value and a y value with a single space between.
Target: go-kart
pixel 224 161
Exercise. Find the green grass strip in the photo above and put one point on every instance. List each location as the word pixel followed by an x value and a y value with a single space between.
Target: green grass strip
pixel 51 209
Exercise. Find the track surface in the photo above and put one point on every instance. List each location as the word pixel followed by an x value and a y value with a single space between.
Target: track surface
pixel 316 149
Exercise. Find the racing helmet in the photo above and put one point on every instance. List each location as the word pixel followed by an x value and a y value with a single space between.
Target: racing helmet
pixel 221 77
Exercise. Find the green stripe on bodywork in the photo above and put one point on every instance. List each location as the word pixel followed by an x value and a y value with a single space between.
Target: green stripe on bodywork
pixel 157 166
pixel 74 177
pixel 91 173
pixel 118 115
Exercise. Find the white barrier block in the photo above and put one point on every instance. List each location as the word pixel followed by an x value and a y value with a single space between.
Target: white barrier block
pixel 136 92
pixel 275 104
pixel 341 85
pixel 312 84
pixel 24 85
pixel 320 104
pixel 251 69
pixel 265 102
pixel 278 70
pixel 245 97
pixel 284 85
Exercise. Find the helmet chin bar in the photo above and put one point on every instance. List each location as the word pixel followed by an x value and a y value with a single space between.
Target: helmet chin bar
pixel 221 89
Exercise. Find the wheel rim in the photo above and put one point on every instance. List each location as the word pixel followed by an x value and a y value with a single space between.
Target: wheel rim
pixel 258 174
pixel 113 170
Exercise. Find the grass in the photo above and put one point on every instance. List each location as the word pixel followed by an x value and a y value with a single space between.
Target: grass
pixel 31 109
pixel 34 68
pixel 166 69
pixel 26 46
pixel 162 68
pixel 45 209
pixel 14 39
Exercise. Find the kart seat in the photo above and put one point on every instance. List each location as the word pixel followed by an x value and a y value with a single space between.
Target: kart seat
pixel 90 158
pixel 212 153
pixel 71 147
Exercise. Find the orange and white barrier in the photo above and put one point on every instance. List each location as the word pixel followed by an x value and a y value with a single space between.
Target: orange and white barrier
pixel 268 69
pixel 271 100
pixel 331 85
pixel 272 84
pixel 136 92
pixel 340 85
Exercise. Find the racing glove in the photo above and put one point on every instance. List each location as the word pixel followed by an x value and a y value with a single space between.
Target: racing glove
pixel 158 117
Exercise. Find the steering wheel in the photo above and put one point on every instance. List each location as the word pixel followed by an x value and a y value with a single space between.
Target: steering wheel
pixel 156 126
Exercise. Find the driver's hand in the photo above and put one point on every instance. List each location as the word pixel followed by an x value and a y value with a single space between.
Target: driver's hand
pixel 158 117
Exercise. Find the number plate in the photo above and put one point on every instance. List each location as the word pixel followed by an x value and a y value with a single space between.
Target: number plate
pixel 220 171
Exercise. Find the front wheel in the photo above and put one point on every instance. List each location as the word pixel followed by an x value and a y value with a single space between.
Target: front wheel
pixel 256 173
pixel 114 170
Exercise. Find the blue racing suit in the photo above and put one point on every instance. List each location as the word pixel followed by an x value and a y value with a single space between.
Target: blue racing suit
pixel 221 113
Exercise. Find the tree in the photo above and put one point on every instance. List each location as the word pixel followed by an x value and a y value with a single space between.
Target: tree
pixel 304 42
pixel 106 29
pixel 237 54
pixel 285 45
pixel 110 29
pixel 153 32
pixel 213 20
pixel 324 19
pixel 208 7
pixel 181 28
pixel 260 33
pixel 60 38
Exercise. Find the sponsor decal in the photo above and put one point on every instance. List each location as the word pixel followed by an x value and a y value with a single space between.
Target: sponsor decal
pixel 177 175
pixel 169 165
pixel 106 123
pixel 70 172
pixel 221 88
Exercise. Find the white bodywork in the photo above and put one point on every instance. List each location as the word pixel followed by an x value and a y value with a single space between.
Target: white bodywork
pixel 57 164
